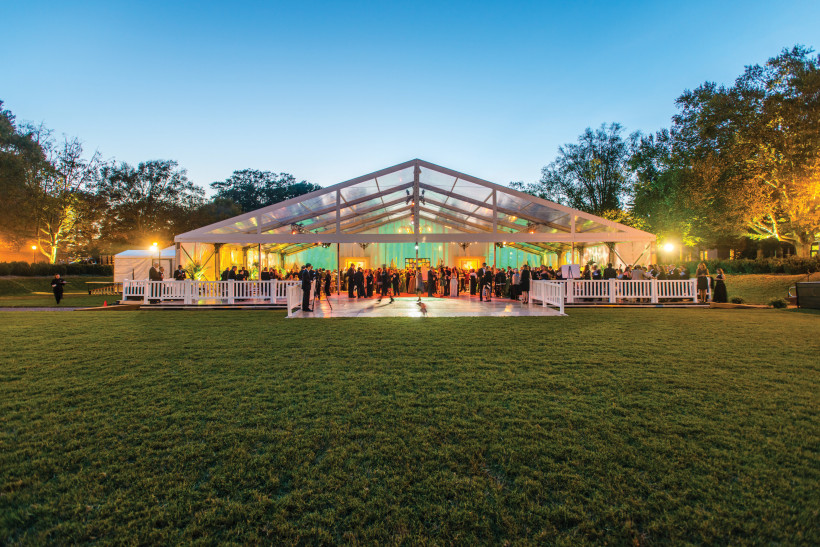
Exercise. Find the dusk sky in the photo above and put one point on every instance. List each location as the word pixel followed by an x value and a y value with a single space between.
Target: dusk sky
pixel 330 91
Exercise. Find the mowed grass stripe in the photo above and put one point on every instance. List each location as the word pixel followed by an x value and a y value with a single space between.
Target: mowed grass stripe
pixel 618 425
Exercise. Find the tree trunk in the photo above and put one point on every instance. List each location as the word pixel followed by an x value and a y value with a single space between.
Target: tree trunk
pixel 802 249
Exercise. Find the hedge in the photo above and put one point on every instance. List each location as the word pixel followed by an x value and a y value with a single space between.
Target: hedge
pixel 790 265
pixel 42 268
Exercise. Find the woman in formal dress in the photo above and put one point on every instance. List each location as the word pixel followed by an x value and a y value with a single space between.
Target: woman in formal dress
pixel 473 280
pixel 524 286
pixel 719 294
pixel 454 282
pixel 419 283
pixel 702 274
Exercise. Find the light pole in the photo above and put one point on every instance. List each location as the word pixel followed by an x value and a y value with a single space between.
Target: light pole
pixel 33 254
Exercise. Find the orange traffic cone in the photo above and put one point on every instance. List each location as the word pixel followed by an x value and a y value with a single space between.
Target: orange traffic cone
pixel 105 303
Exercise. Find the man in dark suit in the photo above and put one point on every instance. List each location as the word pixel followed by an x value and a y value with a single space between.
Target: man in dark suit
pixel 351 281
pixel 386 279
pixel 431 282
pixel 153 273
pixel 359 279
pixel 179 274
pixel 307 281
pixel 481 273
pixel 609 272
pixel 57 286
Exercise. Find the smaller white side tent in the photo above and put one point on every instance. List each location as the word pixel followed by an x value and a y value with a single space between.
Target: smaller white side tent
pixel 135 263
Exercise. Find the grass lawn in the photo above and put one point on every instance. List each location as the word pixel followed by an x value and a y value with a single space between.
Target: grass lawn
pixel 760 289
pixel 28 292
pixel 620 426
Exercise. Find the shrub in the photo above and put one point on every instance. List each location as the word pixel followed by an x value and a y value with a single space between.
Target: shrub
pixel 778 303
pixel 45 269
pixel 790 265
pixel 737 300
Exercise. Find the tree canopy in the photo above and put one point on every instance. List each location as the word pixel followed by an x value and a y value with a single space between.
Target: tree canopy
pixel 252 189
pixel 149 201
pixel 742 160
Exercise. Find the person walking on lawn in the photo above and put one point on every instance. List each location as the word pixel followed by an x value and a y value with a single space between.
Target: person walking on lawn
pixel 57 285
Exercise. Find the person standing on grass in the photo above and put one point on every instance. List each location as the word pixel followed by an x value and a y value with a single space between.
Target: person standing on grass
pixel 57 285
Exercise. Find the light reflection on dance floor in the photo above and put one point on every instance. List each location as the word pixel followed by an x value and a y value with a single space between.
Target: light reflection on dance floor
pixel 463 306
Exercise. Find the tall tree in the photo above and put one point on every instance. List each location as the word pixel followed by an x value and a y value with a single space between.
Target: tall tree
pixel 252 189
pixel 46 187
pixel 751 152
pixel 659 196
pixel 63 201
pixel 592 175
pixel 148 202
pixel 21 159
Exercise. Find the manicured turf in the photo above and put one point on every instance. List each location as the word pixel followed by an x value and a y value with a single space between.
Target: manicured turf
pixel 760 289
pixel 19 286
pixel 35 292
pixel 620 426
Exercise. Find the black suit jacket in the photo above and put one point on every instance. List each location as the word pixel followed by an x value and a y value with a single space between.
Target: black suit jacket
pixel 306 279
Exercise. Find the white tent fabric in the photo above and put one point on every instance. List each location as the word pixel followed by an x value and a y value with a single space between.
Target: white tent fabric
pixel 135 263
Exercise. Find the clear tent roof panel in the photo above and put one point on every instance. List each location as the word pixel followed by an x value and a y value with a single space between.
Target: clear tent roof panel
pixel 450 183
pixel 449 199
pixel 467 207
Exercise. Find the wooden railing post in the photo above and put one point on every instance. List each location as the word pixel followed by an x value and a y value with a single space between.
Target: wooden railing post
pixel 653 291
pixel 613 290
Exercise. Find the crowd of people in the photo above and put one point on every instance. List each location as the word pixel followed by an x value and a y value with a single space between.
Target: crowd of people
pixel 451 281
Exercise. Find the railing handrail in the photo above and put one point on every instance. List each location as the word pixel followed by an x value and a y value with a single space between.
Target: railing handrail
pixel 191 290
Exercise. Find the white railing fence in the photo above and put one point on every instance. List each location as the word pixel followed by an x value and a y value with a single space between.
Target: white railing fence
pixel 549 293
pixel 294 298
pixel 279 292
pixel 190 291
pixel 628 290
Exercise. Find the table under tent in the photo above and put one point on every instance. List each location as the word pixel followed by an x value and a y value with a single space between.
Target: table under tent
pixel 414 213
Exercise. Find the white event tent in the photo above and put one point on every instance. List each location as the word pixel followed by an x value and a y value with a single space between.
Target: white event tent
pixel 414 213
pixel 135 263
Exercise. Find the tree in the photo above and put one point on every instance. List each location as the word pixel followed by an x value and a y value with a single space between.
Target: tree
pixel 21 158
pixel 252 189
pixel 46 187
pixel 751 152
pixel 591 175
pixel 147 202
pixel 659 196
pixel 62 199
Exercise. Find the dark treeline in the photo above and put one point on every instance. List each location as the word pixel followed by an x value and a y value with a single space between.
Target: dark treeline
pixel 738 163
pixel 74 205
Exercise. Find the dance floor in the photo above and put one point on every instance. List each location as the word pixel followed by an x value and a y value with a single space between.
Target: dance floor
pixel 463 306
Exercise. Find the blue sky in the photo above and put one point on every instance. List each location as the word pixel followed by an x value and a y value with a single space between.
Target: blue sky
pixel 329 91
